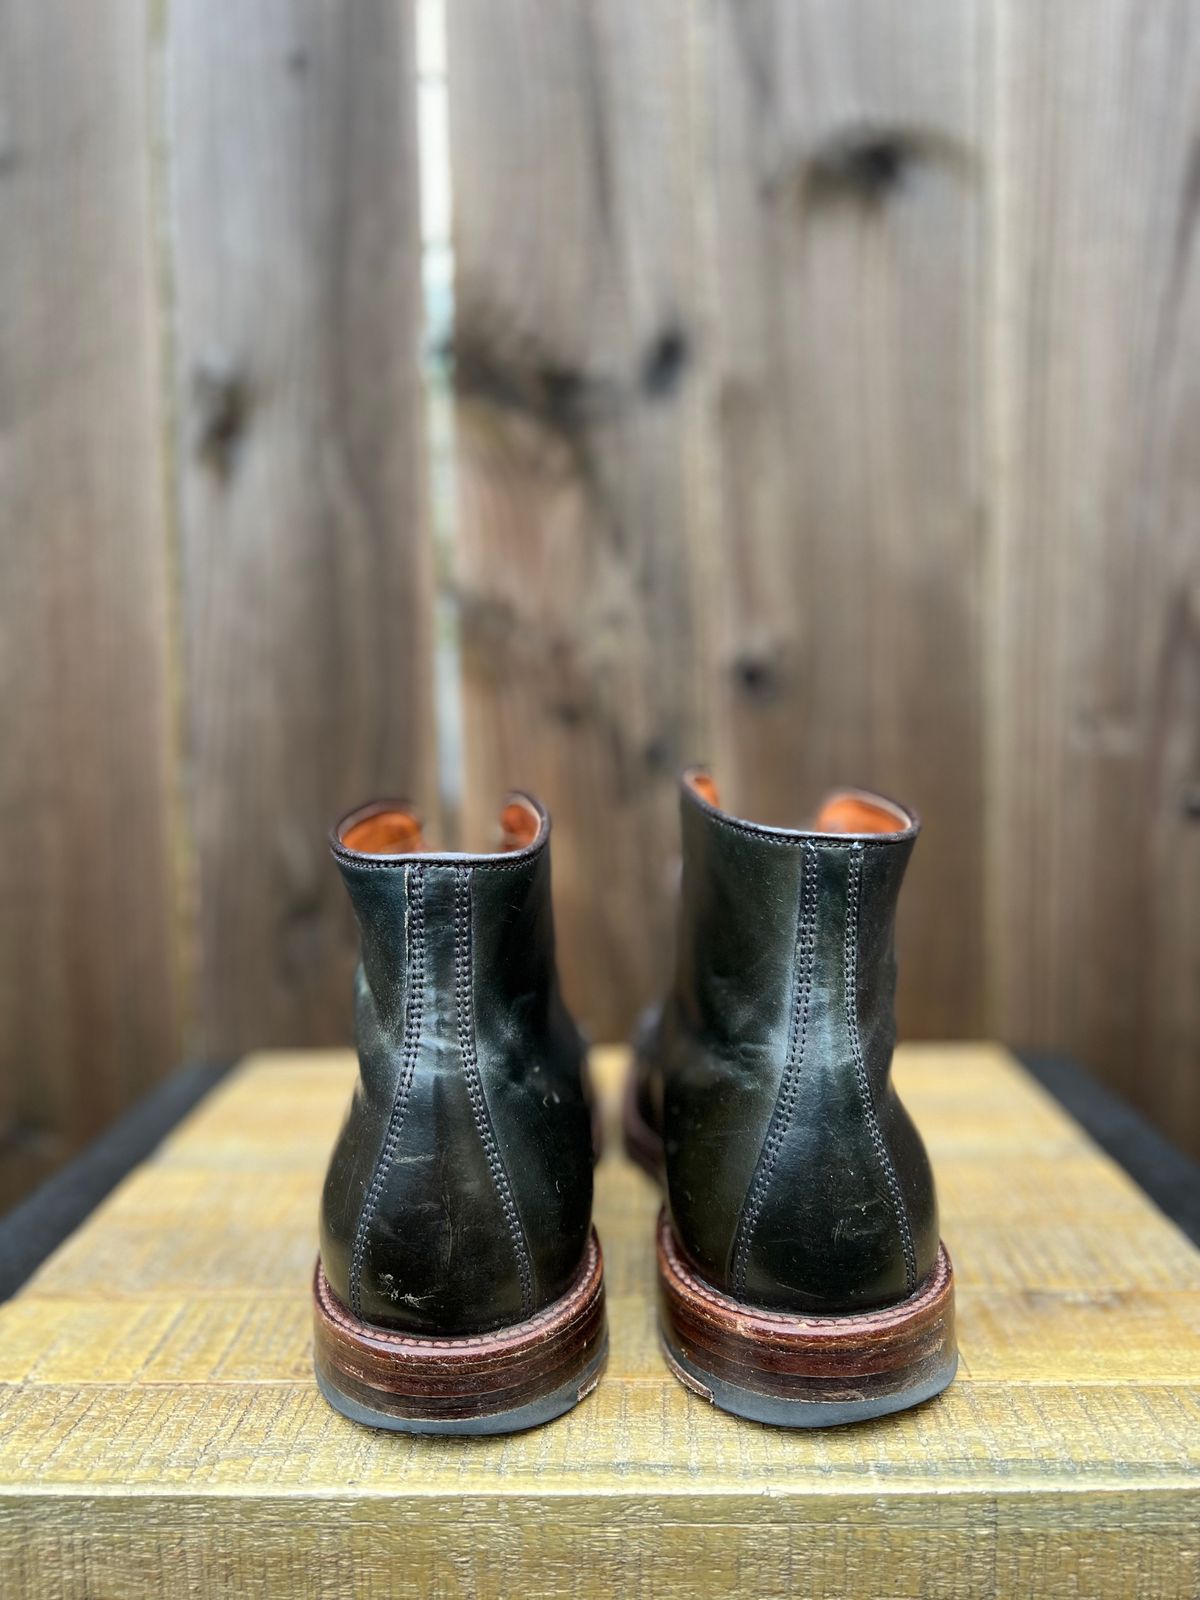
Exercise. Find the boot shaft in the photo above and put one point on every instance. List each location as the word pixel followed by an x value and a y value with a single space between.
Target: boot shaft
pixel 796 1179
pixel 458 1196
pixel 763 908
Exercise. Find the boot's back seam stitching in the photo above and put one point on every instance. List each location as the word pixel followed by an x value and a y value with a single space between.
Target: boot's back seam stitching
pixel 479 1107
pixel 879 1144
pixel 414 938
pixel 789 1087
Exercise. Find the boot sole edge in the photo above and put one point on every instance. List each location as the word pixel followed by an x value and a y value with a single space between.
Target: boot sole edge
pixel 499 1382
pixel 533 1414
pixel 804 1371
pixel 752 1406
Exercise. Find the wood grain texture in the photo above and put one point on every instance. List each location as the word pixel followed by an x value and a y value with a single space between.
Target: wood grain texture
pixel 717 368
pixel 798 344
pixel 160 1430
pixel 848 220
pixel 580 530
pixel 294 234
pixel 1095 319
pixel 89 1017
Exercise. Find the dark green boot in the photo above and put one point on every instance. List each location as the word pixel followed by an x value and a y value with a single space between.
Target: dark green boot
pixel 802 1280
pixel 459 1287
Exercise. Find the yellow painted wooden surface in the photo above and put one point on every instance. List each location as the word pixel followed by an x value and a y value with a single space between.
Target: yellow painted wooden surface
pixel 160 1432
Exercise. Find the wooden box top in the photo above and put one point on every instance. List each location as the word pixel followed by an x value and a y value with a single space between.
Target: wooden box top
pixel 160 1431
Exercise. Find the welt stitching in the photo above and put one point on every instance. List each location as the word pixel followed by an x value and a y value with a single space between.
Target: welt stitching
pixel 789 1088
pixel 853 898
pixel 414 885
pixel 479 1108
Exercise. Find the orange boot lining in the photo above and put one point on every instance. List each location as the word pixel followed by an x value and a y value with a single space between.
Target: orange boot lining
pixel 385 833
pixel 842 812
pixel 858 813
pixel 397 831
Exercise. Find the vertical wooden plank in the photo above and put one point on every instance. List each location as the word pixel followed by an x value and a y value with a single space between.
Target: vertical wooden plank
pixel 295 237
pixel 578 425
pixel 1095 846
pixel 848 222
pixel 89 1009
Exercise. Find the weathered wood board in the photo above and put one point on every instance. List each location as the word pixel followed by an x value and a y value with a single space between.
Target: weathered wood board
pixel 1094 770
pixel 87 770
pixel 849 209
pixel 825 406
pixel 580 544
pixel 719 426
pixel 160 1431
pixel 293 237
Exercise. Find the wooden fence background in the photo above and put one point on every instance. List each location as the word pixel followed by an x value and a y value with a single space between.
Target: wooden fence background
pixel 826 403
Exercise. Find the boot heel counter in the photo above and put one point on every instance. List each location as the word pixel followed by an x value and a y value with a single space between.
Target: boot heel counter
pixel 460 1230
pixel 467 1233
pixel 439 1247
pixel 836 1240
pixel 827 1224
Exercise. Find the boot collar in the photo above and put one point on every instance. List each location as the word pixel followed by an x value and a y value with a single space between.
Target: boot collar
pixel 388 834
pixel 846 817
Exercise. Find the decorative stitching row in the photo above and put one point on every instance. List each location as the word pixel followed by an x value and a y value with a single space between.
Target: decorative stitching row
pixel 414 894
pixel 853 900
pixel 479 1108
pixel 789 1087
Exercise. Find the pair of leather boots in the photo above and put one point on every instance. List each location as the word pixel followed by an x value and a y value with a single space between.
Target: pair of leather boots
pixel 801 1277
